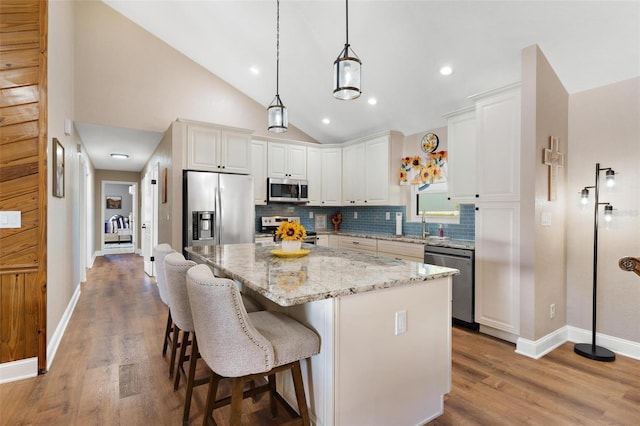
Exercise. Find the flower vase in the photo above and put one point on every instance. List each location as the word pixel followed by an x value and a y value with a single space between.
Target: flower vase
pixel 291 246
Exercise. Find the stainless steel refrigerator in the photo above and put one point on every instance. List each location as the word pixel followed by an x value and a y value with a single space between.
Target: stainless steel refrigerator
pixel 217 208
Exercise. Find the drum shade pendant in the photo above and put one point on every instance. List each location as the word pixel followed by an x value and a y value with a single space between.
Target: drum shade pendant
pixel 277 112
pixel 346 70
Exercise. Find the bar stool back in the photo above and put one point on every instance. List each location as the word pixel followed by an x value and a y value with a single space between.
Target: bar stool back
pixel 244 346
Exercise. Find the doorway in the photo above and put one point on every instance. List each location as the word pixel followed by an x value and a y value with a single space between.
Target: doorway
pixel 119 217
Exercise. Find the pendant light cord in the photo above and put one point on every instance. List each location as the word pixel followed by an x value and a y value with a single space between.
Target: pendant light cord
pixel 278 48
pixel 347 26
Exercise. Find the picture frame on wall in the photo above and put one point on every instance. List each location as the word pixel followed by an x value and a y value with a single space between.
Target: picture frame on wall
pixel 58 169
pixel 114 202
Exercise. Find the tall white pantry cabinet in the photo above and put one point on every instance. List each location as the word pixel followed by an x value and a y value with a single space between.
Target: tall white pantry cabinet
pixel 495 145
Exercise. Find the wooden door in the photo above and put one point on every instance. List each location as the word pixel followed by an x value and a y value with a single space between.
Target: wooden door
pixel 23 179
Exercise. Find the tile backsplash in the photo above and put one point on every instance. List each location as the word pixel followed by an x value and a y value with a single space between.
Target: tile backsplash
pixel 372 219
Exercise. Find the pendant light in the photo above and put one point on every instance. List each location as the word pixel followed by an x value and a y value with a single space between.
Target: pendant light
pixel 277 112
pixel 346 70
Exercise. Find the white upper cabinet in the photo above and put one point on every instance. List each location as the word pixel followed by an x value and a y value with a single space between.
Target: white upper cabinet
pixel 287 160
pixel 461 141
pixel 314 175
pixel 498 141
pixel 219 149
pixel 353 174
pixel 367 177
pixel 331 176
pixel 259 171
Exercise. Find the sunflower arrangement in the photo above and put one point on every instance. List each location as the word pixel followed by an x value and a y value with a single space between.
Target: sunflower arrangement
pixel 291 231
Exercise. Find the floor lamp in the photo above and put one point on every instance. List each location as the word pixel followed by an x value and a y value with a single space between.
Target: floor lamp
pixel 591 350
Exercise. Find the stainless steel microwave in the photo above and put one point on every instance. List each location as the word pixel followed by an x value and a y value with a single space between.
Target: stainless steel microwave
pixel 287 190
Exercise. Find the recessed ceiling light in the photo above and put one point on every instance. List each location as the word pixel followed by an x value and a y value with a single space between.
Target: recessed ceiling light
pixel 120 156
pixel 254 70
pixel 326 121
pixel 446 70
pixel 372 101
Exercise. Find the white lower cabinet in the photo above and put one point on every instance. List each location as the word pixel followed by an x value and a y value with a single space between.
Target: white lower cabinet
pixel 497 266
pixel 322 240
pixel 401 250
pixel 363 245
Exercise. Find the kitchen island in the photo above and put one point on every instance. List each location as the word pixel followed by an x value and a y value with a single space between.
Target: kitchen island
pixel 384 325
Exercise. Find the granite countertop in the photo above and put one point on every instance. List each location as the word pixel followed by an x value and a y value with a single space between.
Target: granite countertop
pixel 323 273
pixel 431 241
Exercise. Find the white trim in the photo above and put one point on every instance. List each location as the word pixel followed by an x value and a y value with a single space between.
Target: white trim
pixel 546 344
pixel 622 347
pixel 500 334
pixel 56 338
pixel 18 370
pixel 542 346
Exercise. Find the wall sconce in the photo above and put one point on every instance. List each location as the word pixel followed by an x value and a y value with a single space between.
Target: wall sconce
pixel 591 350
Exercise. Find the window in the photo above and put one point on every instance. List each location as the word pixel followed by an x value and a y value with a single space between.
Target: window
pixel 433 203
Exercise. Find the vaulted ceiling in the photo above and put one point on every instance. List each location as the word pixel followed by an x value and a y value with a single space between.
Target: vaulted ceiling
pixel 402 45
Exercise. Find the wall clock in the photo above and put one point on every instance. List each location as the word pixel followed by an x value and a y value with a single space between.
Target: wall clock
pixel 429 142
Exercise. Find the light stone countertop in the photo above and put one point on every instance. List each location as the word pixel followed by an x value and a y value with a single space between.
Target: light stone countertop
pixel 323 273
pixel 431 241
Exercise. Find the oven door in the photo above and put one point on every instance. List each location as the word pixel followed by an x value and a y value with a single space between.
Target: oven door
pixel 287 190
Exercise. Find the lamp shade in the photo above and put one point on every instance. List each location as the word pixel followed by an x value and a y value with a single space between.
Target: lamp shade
pixel 277 116
pixel 346 70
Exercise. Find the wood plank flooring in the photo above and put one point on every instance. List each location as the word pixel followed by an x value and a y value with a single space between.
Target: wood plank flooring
pixel 109 371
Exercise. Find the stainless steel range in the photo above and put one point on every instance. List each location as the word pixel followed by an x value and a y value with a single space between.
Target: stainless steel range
pixel 271 223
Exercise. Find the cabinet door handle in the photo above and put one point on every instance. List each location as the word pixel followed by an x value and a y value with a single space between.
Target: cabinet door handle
pixel 477 195
pixel 477 208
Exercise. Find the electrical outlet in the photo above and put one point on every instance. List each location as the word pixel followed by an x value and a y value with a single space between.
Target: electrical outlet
pixel 387 215
pixel 401 322
pixel 355 215
pixel 552 310
pixel 310 215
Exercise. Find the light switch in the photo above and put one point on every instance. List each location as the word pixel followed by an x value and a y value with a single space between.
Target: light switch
pixel 10 219
pixel 545 219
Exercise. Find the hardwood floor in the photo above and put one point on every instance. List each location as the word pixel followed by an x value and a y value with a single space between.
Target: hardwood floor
pixel 109 371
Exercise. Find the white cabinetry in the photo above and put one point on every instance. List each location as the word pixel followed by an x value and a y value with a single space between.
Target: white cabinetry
pixel 331 176
pixel 353 174
pixel 461 140
pixel 401 250
pixel 363 245
pixel 497 266
pixel 314 175
pixel 498 138
pixel 220 149
pixel 322 240
pixel 367 165
pixel 259 171
pixel 287 160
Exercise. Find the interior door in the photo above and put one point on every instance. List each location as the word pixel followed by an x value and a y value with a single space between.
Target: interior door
pixel 148 219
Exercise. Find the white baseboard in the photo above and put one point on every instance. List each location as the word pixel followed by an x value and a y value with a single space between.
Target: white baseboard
pixel 539 348
pixel 542 346
pixel 93 259
pixel 18 370
pixel 494 332
pixel 622 347
pixel 52 347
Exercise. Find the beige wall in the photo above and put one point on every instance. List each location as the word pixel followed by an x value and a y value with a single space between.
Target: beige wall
pixel 604 127
pixel 111 176
pixel 62 213
pixel 126 77
pixel 545 108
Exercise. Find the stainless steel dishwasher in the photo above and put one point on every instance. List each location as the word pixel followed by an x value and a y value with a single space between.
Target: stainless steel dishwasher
pixel 463 309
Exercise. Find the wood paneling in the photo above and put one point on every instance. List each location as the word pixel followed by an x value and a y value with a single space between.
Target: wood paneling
pixel 23 179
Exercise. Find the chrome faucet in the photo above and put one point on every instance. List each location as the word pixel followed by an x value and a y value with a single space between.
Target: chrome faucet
pixel 425 233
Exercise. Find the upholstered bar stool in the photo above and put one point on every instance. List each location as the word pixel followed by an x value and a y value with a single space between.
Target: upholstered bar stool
pixel 243 346
pixel 176 267
pixel 159 253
